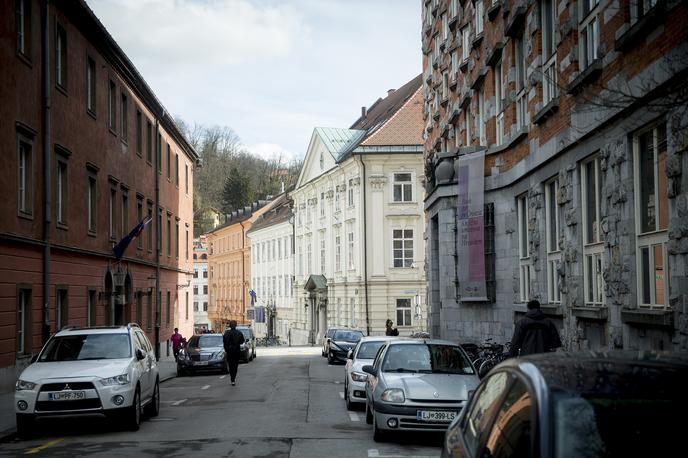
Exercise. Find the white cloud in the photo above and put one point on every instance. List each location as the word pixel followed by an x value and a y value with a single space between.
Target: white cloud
pixel 272 151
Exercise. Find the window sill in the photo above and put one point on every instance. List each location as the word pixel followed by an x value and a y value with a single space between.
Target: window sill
pixel 640 29
pixel 508 142
pixel 61 89
pixel 91 113
pixel 647 317
pixel 587 76
pixel 555 311
pixel 600 313
pixel 493 10
pixel 546 112
pixel 464 65
pixel 62 226
pixel 124 141
pixel 24 58
pixel 26 216
pixel 477 40
pixel 112 131
pixel 91 233
pixel 515 25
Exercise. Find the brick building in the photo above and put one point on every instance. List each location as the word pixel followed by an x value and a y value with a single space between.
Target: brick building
pixel 82 135
pixel 575 113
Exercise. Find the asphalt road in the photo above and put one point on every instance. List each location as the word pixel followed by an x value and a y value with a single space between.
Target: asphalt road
pixel 288 402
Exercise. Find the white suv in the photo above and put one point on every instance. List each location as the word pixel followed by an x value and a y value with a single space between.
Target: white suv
pixel 96 371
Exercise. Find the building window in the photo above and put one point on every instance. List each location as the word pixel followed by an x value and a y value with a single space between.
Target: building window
pixel 479 18
pixel 337 253
pixel 92 199
pixel 91 86
pixel 337 206
pixel 61 307
pixel 124 114
pixel 112 214
pixel 309 255
pixel 24 176
pixel 61 56
pixel 403 187
pixel 24 334
pixel 524 248
pixel 195 290
pixel 322 204
pixel 169 162
pixel 467 119
pixel 521 101
pixel 112 106
pixel 24 31
pixel 300 266
pixel 322 254
pixel 548 24
pixel 149 228
pixel 149 309
pixel 186 178
pixel 125 213
pixel 465 42
pixel 186 306
pixel 139 218
pixel 404 312
pixel 402 240
pixel 160 231
pixel 552 235
pixel 481 116
pixel 176 168
pixel 176 240
pixel 205 306
pixel 592 238
pixel 159 153
pixel 652 216
pixel 499 105
pixel 149 142
pixel 91 318
pixel 186 244
pixel 445 27
pixel 205 274
pixel 351 193
pixel 454 65
pixel 139 133
pixel 640 8
pixel 168 307
pixel 351 250
pixel 169 235
pixel 322 161
pixel 195 306
pixel 588 33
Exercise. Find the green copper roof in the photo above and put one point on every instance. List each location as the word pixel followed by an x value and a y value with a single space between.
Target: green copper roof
pixel 339 141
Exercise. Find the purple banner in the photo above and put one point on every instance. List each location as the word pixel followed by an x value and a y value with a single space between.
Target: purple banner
pixel 470 236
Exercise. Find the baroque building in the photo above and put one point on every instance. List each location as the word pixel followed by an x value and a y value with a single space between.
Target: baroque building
pixel 566 122
pixel 200 285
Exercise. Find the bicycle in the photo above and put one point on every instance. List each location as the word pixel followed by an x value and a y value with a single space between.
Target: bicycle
pixel 496 356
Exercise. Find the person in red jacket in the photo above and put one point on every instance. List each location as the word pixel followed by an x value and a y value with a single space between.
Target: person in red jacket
pixel 176 342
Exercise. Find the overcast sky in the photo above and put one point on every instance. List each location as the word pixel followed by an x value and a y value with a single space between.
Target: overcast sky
pixel 272 70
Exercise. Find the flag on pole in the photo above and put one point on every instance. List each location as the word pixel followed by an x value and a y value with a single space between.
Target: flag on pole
pixel 253 295
pixel 118 249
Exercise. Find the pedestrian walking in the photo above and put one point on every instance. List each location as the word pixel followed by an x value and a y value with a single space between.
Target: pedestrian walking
pixel 390 330
pixel 534 333
pixel 176 343
pixel 232 340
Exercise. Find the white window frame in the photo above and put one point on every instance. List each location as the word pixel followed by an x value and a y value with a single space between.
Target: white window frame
pixel 337 203
pixel 403 186
pixel 467 119
pixel 593 244
pixel 653 240
pixel 406 315
pixel 549 68
pixel 454 65
pixel 479 17
pixel 521 100
pixel 350 251
pixel 588 33
pixel 552 240
pixel 499 106
pixel 322 254
pixel 445 27
pixel 309 256
pixel 405 262
pixel 525 262
pixel 465 42
pixel 337 252
pixel 481 117
pixel 350 191
pixel 322 204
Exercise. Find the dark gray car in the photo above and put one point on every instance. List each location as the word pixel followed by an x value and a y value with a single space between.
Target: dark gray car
pixel 203 352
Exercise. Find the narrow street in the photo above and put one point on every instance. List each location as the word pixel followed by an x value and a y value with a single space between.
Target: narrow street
pixel 288 402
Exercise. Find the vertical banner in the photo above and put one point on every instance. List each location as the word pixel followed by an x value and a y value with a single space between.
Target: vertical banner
pixel 470 236
pixel 259 314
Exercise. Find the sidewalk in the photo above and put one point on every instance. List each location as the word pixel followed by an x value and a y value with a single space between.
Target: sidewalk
pixel 167 370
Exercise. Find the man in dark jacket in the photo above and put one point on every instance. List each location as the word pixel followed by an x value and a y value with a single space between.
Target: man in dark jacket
pixel 232 340
pixel 534 333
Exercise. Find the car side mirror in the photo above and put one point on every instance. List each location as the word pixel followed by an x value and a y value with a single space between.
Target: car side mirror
pixel 140 354
pixel 370 370
pixel 34 358
pixel 350 355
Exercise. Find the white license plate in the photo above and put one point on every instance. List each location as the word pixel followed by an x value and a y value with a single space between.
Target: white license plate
pixel 67 396
pixel 200 363
pixel 435 415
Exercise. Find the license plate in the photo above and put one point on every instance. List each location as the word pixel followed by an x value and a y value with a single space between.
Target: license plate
pixel 435 415
pixel 66 396
pixel 201 363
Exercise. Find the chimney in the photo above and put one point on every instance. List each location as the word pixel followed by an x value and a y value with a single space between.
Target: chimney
pixel 363 112
pixel 389 91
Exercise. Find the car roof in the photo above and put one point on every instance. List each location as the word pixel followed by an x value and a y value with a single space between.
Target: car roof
pixel 376 338
pixel 597 371
pixel 409 340
pixel 73 330
pixel 208 334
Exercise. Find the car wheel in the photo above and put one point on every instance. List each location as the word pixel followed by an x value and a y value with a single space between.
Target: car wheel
pixel 25 426
pixel 133 414
pixel 153 407
pixel 347 399
pixel 378 434
pixel 369 415
pixel 180 372
pixel 330 359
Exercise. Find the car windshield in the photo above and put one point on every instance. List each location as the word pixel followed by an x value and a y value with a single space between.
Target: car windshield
pixel 368 350
pixel 426 358
pixel 205 341
pixel 611 424
pixel 348 336
pixel 246 333
pixel 79 347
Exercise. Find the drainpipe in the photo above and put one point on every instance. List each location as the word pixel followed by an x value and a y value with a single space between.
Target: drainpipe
pixel 243 272
pixel 158 233
pixel 47 201
pixel 365 247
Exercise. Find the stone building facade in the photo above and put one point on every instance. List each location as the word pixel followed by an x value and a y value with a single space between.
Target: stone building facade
pixel 88 153
pixel 200 285
pixel 578 108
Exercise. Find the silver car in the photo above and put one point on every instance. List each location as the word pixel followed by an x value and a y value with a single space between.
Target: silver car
pixel 354 377
pixel 417 385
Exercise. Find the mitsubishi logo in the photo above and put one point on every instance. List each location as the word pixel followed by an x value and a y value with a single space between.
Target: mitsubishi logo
pixel 436 394
pixel 66 387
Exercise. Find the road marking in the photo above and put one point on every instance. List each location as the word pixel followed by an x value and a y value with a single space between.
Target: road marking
pixel 375 453
pixel 181 401
pixel 341 394
pixel 162 419
pixel 222 377
pixel 205 387
pixel 354 416
pixel 31 451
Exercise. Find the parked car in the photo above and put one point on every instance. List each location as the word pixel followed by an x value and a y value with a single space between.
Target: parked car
pixel 340 343
pixel 204 352
pixel 97 371
pixel 561 405
pixel 354 378
pixel 326 341
pixel 248 349
pixel 417 385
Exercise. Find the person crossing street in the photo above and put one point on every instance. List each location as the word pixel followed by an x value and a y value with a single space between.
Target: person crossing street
pixel 232 341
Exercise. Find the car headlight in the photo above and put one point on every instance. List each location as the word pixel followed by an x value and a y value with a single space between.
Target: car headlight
pixel 218 355
pixel 23 385
pixel 393 395
pixel 116 380
pixel 359 376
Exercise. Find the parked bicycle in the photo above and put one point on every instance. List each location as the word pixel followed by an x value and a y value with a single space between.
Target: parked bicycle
pixel 271 341
pixel 486 356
